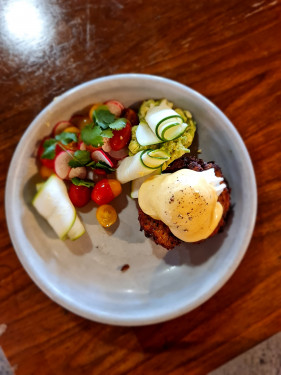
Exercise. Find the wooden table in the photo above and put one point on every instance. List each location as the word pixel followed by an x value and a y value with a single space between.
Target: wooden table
pixel 230 51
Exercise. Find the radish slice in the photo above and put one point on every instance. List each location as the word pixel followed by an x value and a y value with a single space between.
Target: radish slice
pixel 62 168
pixel 90 175
pixel 82 146
pixel 60 126
pixel 106 144
pixel 120 154
pixel 79 172
pixel 115 107
pixel 100 155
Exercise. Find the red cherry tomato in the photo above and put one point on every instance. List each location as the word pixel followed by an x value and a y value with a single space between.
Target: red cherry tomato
pixel 105 191
pixel 79 195
pixel 49 163
pixel 131 115
pixel 121 137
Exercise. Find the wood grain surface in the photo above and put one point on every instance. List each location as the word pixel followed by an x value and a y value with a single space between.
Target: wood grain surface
pixel 230 51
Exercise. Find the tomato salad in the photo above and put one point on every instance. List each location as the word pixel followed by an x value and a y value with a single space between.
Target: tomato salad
pixel 84 150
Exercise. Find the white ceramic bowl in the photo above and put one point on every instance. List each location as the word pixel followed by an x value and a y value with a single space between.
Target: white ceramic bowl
pixel 84 276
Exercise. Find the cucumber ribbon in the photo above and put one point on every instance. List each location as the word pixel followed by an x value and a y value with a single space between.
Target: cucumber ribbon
pixel 141 164
pixel 161 124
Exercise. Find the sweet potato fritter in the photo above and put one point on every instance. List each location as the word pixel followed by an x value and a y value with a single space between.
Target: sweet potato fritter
pixel 159 231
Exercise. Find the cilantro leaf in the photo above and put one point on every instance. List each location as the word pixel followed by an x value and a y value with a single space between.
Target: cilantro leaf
pixel 103 117
pixel 92 164
pixel 103 165
pixel 80 158
pixel 107 133
pixel 78 182
pixel 100 165
pixel 49 149
pixel 66 137
pixel 91 135
pixel 118 124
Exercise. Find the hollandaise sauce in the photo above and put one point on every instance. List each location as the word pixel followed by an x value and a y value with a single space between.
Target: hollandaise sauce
pixel 186 201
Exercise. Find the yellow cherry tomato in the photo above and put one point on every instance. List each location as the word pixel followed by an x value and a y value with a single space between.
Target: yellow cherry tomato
pixel 84 121
pixel 72 129
pixel 93 108
pixel 115 186
pixel 106 215
pixel 45 172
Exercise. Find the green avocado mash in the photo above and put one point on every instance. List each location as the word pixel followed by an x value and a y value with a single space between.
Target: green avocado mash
pixel 175 148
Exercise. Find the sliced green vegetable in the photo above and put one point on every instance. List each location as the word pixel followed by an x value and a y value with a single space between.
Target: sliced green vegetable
pixel 77 230
pixel 154 158
pixel 53 203
pixel 145 135
pixel 165 123
pixel 140 165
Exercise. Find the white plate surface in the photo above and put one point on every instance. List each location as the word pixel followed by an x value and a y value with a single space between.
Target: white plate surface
pixel 84 276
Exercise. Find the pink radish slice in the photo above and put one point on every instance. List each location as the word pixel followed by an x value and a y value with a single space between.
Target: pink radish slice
pixel 82 146
pixel 106 145
pixel 79 172
pixel 120 154
pixel 62 168
pixel 60 126
pixel 115 107
pixel 100 155
pixel 90 175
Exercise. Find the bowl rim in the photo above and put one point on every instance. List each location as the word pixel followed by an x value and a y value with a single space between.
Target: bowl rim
pixel 124 320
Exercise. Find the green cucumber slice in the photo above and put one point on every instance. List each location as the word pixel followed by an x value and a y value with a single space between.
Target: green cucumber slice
pixel 39 185
pixel 154 158
pixel 134 167
pixel 145 135
pixel 77 230
pixel 53 203
pixel 165 123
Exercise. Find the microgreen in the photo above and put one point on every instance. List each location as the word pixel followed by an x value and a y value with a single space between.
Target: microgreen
pixel 49 149
pixel 118 124
pixel 101 165
pixel 66 138
pixel 80 158
pixel 50 144
pixel 91 135
pixel 103 117
pixel 78 182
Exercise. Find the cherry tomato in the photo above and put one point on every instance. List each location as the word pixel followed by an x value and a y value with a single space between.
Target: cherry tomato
pixel 105 191
pixel 93 108
pixel 71 129
pixel 45 172
pixel 121 137
pixel 49 163
pixel 84 121
pixel 79 195
pixel 75 119
pixel 106 215
pixel 131 115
